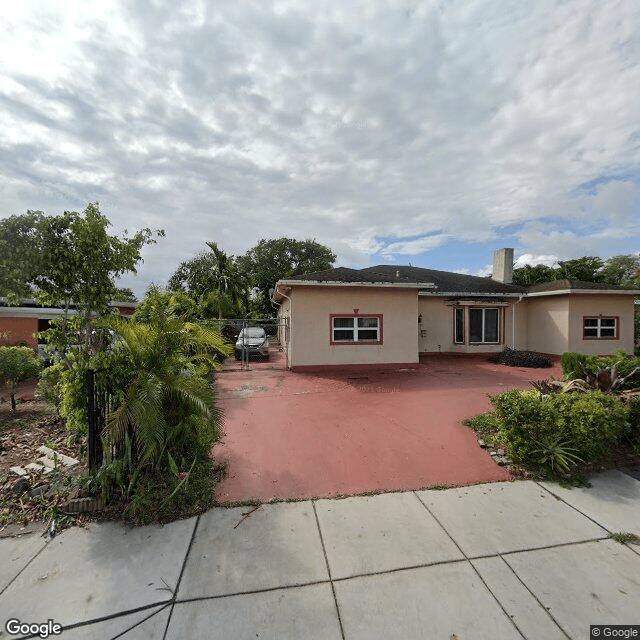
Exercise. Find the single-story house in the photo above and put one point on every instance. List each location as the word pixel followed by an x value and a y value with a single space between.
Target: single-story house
pixel 390 315
pixel 20 324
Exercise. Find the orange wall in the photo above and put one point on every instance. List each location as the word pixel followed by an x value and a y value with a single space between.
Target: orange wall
pixel 19 330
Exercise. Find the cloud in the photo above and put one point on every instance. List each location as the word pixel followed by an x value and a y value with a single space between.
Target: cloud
pixel 415 247
pixel 530 259
pixel 422 122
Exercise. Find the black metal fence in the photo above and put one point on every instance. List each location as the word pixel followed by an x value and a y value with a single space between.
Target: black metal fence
pixel 99 403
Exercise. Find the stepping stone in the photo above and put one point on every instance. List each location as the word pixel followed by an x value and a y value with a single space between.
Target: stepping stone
pixel 62 459
pixel 46 462
pixel 39 468
pixel 19 471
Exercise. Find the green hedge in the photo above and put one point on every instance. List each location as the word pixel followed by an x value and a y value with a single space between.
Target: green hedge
pixel 573 363
pixel 587 424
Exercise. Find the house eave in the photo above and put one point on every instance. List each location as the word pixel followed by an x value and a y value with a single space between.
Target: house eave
pixel 564 292
pixel 467 294
pixel 337 283
pixel 34 312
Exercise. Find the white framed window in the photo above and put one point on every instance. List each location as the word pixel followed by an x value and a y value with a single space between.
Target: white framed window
pixel 600 328
pixel 484 325
pixel 351 329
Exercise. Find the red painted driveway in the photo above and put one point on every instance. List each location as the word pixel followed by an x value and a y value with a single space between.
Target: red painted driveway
pixel 294 435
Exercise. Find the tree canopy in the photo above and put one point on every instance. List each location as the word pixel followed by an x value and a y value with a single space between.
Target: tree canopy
pixel 221 283
pixel 20 253
pixel 622 270
pixel 273 260
pixel 215 280
pixel 68 259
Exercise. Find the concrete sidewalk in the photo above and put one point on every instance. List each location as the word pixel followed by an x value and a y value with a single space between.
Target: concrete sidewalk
pixel 492 561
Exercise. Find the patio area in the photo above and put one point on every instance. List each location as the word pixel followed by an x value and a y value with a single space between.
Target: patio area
pixel 293 435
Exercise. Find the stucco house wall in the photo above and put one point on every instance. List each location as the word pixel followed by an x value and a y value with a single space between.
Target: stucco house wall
pixel 556 322
pixel 437 327
pixel 547 323
pixel 310 331
pixel 419 308
pixel 586 305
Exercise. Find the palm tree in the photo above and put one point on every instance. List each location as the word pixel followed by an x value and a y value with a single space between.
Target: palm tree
pixel 231 282
pixel 167 412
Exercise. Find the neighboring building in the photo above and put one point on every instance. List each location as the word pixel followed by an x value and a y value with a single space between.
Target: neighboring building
pixel 390 315
pixel 22 323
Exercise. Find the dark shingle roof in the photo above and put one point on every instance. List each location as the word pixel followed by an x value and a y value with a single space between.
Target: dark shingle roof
pixel 445 281
pixel 563 285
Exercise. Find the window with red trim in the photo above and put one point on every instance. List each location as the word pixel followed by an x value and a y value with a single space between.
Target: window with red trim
pixel 356 329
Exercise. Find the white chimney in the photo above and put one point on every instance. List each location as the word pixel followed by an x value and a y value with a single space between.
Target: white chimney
pixel 503 265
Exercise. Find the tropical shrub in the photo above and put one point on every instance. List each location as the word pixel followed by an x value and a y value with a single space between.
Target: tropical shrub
pixel 576 426
pixel 166 418
pixel 572 364
pixel 615 372
pixel 17 364
pixel 516 358
pixel 633 436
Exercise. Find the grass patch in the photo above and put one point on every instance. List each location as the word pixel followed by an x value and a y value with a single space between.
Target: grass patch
pixel 624 538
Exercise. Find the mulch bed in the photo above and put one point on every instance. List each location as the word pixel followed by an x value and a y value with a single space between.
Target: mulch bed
pixel 32 425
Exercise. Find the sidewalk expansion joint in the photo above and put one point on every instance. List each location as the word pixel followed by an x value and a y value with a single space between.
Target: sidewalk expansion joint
pixel 383 572
pixel 326 560
pixel 557 497
pixel 250 592
pixel 44 546
pixel 535 597
pixel 557 545
pixel 509 618
pixel 184 564
pixel 163 604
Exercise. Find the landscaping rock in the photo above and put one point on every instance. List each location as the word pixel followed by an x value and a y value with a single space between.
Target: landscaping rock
pixel 482 443
pixel 21 485
pixel 46 462
pixel 39 490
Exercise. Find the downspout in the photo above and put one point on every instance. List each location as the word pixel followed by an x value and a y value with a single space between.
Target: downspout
pixel 513 321
pixel 284 295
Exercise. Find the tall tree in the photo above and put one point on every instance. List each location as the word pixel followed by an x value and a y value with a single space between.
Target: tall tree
pixel 623 270
pixel 20 254
pixel 273 260
pixel 81 262
pixel 215 280
pixel 533 274
pixel 586 268
pixel 124 294
pixel 69 259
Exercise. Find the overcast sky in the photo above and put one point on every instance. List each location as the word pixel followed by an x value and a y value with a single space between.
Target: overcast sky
pixel 428 133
